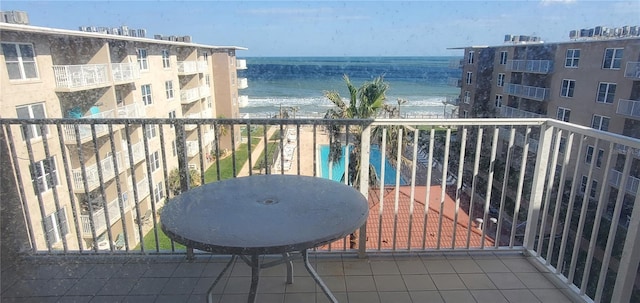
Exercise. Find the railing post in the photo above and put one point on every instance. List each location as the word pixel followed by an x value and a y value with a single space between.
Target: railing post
pixel 365 149
pixel 183 166
pixel 628 268
pixel 537 185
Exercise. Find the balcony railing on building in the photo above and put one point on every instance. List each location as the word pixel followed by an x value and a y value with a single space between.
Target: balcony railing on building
pixel 189 95
pixel 632 185
pixel 457 82
pixel 437 179
pixel 203 66
pixel 125 72
pixel 511 112
pixel 84 131
pixel 241 64
pixel 134 110
pixel 191 67
pixel 190 127
pixel 529 92
pixel 632 70
pixel 455 101
pixel 529 66
pixel 91 174
pixel 137 150
pixel 78 77
pixel 629 108
pixel 99 217
pixel 204 91
pixel 243 83
pixel 243 100
pixel 455 63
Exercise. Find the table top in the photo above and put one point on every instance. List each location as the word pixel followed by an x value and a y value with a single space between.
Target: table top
pixel 264 214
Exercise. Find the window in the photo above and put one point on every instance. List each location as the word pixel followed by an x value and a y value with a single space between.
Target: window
pixel 589 156
pixel 20 60
pixel 56 226
pixel 500 80
pixel 583 184
pixel 594 188
pixel 498 100
pixel 207 80
pixel 469 75
pixel 150 132
pixel 155 161
pixel 563 144
pixel 168 88
pixel 465 114
pixel 503 58
pixel 467 97
pixel 470 59
pixel 166 59
pixel 612 58
pixel 142 59
pixel 209 102
pixel 44 175
pixel 158 192
pixel 172 115
pixel 600 122
pixel 573 58
pixel 564 114
pixel 146 94
pixel 32 111
pixel 606 92
pixel 174 148
pixel 568 86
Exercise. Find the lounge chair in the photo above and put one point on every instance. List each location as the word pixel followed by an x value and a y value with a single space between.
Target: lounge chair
pixel 119 244
pixel 145 218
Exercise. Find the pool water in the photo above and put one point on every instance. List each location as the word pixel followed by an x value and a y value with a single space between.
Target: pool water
pixel 337 169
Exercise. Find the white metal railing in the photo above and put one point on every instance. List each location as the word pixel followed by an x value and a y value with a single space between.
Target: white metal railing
pixel 629 108
pixel 204 91
pixel 209 137
pixel 191 127
pixel 134 110
pixel 529 92
pixel 189 95
pixel 92 175
pixel 632 185
pixel 453 100
pixel 456 63
pixel 80 76
pixel 203 66
pixel 84 131
pixel 530 66
pixel 99 218
pixel 241 64
pixel 511 112
pixel 632 70
pixel 137 150
pixel 125 72
pixel 242 83
pixel 487 194
pixel 143 189
pixel 620 148
pixel 187 67
pixel 207 113
pixel 243 100
pixel 457 82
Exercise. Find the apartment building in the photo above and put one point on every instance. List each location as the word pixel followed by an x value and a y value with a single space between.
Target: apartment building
pixel 594 82
pixel 88 170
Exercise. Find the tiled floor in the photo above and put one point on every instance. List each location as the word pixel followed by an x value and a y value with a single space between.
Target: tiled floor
pixel 398 278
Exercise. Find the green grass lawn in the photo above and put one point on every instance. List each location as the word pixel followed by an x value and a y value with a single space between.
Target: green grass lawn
pixel 165 243
pixel 271 148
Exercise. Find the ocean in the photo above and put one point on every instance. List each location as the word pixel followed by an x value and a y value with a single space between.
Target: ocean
pixel 299 82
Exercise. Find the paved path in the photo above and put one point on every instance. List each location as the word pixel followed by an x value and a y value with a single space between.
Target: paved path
pixel 257 151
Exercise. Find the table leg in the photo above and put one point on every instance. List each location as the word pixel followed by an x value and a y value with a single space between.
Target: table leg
pixel 255 278
pixel 315 277
pixel 289 263
pixel 210 291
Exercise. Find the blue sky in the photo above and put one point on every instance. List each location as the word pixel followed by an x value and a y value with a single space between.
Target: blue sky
pixel 337 28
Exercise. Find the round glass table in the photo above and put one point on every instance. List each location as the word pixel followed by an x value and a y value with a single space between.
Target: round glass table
pixel 247 217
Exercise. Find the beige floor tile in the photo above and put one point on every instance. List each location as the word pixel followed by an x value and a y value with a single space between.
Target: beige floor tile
pixel 448 282
pixel 301 284
pixel 438 267
pixel 477 281
pixel 520 296
pixel 363 297
pixel 411 267
pixel 426 296
pixel 465 266
pixel 299 297
pixel 390 283
pixel 457 296
pixel 394 296
pixel 519 265
pixel 340 296
pixel 358 267
pixel 505 281
pixel 360 283
pixel 492 265
pixel 534 280
pixel 335 283
pixel 418 282
pixel 384 268
pixel 489 295
pixel 550 295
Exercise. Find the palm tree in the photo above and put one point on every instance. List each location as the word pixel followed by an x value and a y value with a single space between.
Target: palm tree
pixel 364 103
pixel 174 180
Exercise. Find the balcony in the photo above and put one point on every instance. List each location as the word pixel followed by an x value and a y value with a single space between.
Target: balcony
pixel 137 150
pixel 529 92
pixel 511 112
pixel 190 127
pixel 427 234
pixel 83 132
pixel 71 78
pixel 93 176
pixel 456 64
pixel 100 218
pixel 456 82
pixel 134 110
pixel 241 64
pixel 529 66
pixel 455 101
pixel 242 83
pixel 632 70
pixel 203 67
pixel 189 68
pixel 188 96
pixel 630 108
pixel 125 72
pixel 632 186
pixel 620 148
pixel 243 100
pixel 204 91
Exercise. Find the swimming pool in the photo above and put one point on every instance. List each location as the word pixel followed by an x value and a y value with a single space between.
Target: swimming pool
pixel 337 170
